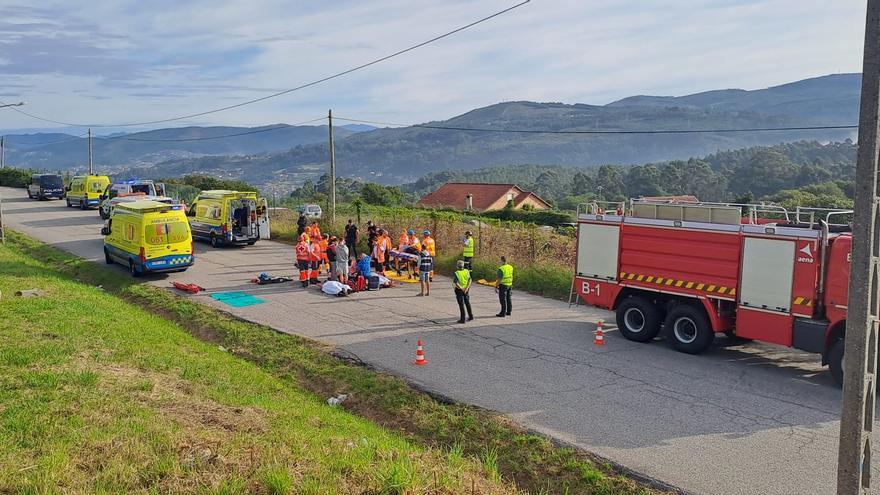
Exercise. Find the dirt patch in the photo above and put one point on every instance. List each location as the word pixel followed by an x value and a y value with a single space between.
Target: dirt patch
pixel 177 400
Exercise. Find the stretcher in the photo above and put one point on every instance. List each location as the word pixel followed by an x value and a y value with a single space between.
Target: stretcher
pixel 408 261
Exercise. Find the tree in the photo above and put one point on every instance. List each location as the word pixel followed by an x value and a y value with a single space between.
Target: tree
pixel 767 172
pixel 549 185
pixel 377 194
pixel 609 184
pixel 644 181
pixel 581 183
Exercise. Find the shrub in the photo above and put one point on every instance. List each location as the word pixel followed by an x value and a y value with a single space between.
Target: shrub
pixel 15 177
pixel 542 217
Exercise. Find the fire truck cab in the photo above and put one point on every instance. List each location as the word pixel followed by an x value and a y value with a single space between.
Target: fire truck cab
pixel 757 272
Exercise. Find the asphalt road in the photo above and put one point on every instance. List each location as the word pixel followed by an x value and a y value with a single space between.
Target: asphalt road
pixel 739 419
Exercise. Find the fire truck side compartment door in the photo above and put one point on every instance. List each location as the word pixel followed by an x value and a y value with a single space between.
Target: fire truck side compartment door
pixel 597 250
pixel 767 270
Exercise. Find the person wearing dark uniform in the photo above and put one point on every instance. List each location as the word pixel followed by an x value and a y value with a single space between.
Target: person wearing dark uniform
pixel 503 286
pixel 462 281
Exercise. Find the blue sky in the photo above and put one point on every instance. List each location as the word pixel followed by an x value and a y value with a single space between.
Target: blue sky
pixel 121 61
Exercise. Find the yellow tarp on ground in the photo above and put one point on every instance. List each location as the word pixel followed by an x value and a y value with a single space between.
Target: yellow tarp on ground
pixel 401 278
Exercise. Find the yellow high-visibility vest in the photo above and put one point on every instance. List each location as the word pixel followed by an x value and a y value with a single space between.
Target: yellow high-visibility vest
pixel 468 248
pixel 506 274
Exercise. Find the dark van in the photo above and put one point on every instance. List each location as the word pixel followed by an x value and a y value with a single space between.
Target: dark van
pixel 46 186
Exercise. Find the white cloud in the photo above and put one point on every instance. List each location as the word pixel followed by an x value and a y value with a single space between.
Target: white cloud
pixel 131 61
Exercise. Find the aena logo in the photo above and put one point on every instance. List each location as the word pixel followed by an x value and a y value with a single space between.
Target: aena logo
pixel 805 254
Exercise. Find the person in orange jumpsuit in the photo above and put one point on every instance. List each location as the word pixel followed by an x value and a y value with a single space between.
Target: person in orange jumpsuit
pixel 314 232
pixel 315 258
pixel 380 252
pixel 303 260
pixel 385 240
pixel 414 246
pixel 324 243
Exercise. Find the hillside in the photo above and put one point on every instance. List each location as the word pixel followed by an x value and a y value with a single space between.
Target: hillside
pixel 150 147
pixel 400 155
pixel 760 171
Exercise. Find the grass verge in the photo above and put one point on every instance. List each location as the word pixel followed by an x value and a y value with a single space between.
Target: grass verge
pixel 98 395
pixel 469 443
pixel 548 281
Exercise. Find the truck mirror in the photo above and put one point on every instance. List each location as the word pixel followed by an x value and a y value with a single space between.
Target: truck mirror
pixel 105 230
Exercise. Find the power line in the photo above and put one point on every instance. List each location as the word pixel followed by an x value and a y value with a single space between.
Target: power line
pixel 609 131
pixel 286 91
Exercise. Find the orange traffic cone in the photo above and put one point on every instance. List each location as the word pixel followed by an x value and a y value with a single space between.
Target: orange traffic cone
pixel 420 354
pixel 600 336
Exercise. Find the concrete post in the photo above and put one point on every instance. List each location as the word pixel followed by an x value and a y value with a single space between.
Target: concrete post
pixel 860 370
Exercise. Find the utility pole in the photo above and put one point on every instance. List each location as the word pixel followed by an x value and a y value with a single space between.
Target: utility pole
pixel 90 151
pixel 332 169
pixel 860 371
pixel 2 164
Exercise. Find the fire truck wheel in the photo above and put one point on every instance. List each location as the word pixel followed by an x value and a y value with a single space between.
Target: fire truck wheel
pixel 835 361
pixel 638 319
pixel 688 329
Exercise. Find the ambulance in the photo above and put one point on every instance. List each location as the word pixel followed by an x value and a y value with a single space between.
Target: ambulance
pixel 85 190
pixel 229 218
pixel 148 237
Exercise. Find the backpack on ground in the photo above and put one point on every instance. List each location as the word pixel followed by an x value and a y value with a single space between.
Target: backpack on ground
pixel 373 283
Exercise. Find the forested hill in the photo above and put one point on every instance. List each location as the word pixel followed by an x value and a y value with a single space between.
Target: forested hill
pixel 402 155
pixel 810 172
pixel 55 151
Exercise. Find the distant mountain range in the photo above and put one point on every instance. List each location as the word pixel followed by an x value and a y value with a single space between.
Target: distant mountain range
pixel 399 155
pixel 62 151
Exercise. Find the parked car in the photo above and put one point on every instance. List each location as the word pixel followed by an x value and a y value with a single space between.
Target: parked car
pixel 311 211
pixel 46 186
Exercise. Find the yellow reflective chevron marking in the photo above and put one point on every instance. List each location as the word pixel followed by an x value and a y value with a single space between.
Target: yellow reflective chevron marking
pixel 686 284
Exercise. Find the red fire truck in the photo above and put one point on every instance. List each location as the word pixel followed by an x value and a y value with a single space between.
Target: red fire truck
pixel 696 269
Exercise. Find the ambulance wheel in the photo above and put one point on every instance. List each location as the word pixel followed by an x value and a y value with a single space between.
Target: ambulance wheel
pixel 103 215
pixel 214 242
pixel 133 269
pixel 688 329
pixel 836 361
pixel 82 205
pixel 107 257
pixel 67 200
pixel 638 319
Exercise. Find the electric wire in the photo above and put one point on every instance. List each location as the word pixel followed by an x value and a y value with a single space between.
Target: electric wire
pixel 286 91
pixel 607 131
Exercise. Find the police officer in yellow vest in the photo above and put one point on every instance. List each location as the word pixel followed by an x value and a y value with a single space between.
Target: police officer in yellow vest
pixel 462 281
pixel 503 285
pixel 467 253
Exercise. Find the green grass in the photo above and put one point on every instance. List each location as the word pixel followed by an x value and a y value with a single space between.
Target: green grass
pixel 548 281
pixel 99 395
pixel 420 445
